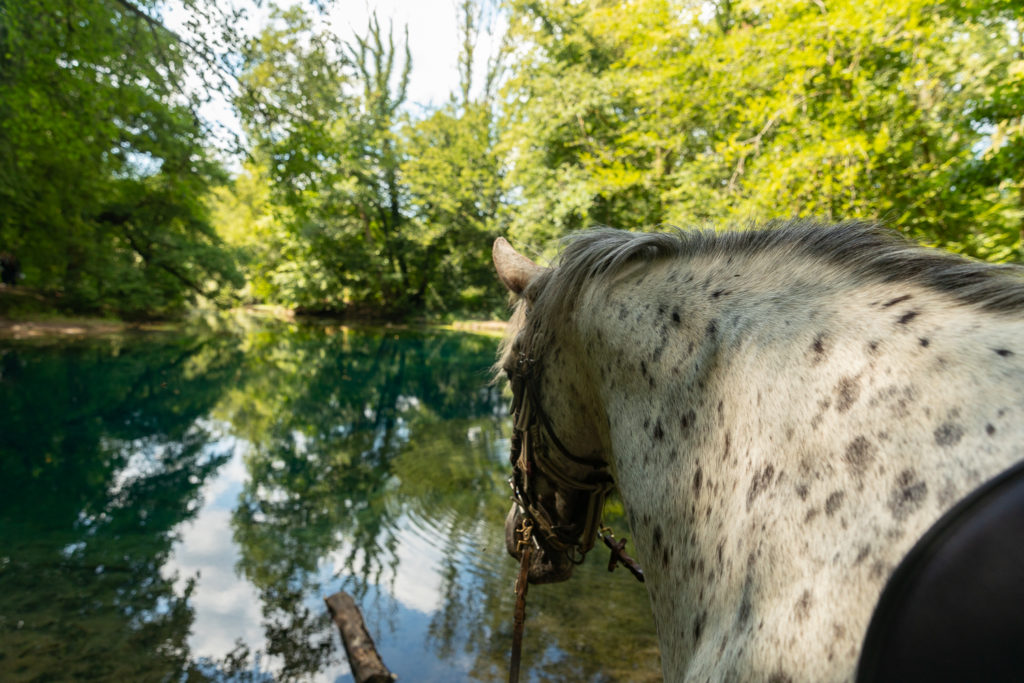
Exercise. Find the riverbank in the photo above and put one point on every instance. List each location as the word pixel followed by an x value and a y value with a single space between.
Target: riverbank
pixel 74 327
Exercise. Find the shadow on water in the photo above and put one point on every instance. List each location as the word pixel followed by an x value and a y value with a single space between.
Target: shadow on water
pixel 304 460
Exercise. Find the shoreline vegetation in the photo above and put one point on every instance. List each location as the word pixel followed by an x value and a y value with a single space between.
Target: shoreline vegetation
pixel 27 314
pixel 49 327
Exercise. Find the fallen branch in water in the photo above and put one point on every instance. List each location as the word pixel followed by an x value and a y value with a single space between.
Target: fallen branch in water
pixel 367 666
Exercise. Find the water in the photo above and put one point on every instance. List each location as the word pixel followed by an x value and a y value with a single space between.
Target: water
pixel 175 508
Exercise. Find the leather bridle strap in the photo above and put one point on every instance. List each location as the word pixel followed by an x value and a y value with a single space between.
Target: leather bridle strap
pixel 529 453
pixel 525 543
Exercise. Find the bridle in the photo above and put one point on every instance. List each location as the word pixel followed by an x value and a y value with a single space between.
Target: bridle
pixel 532 437
pixel 531 452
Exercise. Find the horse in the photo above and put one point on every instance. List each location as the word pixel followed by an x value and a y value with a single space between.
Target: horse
pixel 784 411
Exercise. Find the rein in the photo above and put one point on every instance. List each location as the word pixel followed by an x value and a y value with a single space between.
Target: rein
pixel 529 454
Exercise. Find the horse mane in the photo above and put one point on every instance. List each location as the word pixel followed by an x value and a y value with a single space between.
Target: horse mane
pixel 865 251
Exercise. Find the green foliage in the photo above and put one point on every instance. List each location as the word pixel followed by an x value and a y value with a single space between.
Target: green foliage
pixel 656 111
pixel 104 163
pixel 322 115
pixel 633 114
pixel 373 211
pixel 453 176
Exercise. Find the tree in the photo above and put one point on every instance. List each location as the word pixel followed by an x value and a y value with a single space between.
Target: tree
pixel 105 162
pixel 453 170
pixel 376 212
pixel 323 115
pixel 682 112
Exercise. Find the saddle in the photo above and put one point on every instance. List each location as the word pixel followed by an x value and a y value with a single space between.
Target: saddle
pixel 954 608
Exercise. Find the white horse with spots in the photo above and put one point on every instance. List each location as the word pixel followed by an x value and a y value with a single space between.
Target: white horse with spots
pixel 784 413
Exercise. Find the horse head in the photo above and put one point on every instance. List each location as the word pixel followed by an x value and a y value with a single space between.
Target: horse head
pixel 560 477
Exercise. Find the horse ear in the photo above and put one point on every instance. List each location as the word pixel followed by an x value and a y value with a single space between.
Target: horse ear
pixel 514 269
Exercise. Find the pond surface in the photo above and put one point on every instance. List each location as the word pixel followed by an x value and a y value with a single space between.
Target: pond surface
pixel 175 508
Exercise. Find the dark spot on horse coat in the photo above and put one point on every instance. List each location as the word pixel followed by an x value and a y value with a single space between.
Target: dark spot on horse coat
pixel 659 431
pixel 907 317
pixel 948 434
pixel 908 495
pixel 675 316
pixel 834 502
pixel 899 299
pixel 687 420
pixel 656 356
pixel 823 405
pixel 698 625
pixel 697 481
pixel 859 454
pixel 656 538
pixel 802 608
pixel 802 491
pixel 924 341
pixel 847 392
pixel 712 328
pixel 623 312
pixel 746 600
pixel 862 555
pixel 990 430
pixel 818 348
pixel 759 484
pixel 872 347
pixel 780 677
pixel 1004 352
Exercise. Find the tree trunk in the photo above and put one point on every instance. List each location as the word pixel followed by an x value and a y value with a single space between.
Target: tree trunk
pixel 366 664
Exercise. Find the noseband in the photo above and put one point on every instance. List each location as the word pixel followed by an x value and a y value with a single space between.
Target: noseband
pixel 531 437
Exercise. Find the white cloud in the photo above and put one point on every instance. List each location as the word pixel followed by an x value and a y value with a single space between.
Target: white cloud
pixel 226 608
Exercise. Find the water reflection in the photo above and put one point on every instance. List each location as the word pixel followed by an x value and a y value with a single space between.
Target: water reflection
pixel 234 481
pixel 102 453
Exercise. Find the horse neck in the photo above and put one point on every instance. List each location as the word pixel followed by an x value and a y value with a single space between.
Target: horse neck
pixel 736 410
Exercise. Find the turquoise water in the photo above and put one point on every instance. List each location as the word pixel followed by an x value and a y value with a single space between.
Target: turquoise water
pixel 175 508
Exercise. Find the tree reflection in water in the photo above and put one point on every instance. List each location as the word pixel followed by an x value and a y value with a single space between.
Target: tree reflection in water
pixel 363 440
pixel 102 454
pixel 375 462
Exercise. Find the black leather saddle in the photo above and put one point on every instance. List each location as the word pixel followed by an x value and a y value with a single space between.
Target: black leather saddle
pixel 954 608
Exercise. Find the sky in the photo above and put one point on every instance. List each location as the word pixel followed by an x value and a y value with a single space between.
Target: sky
pixel 433 42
